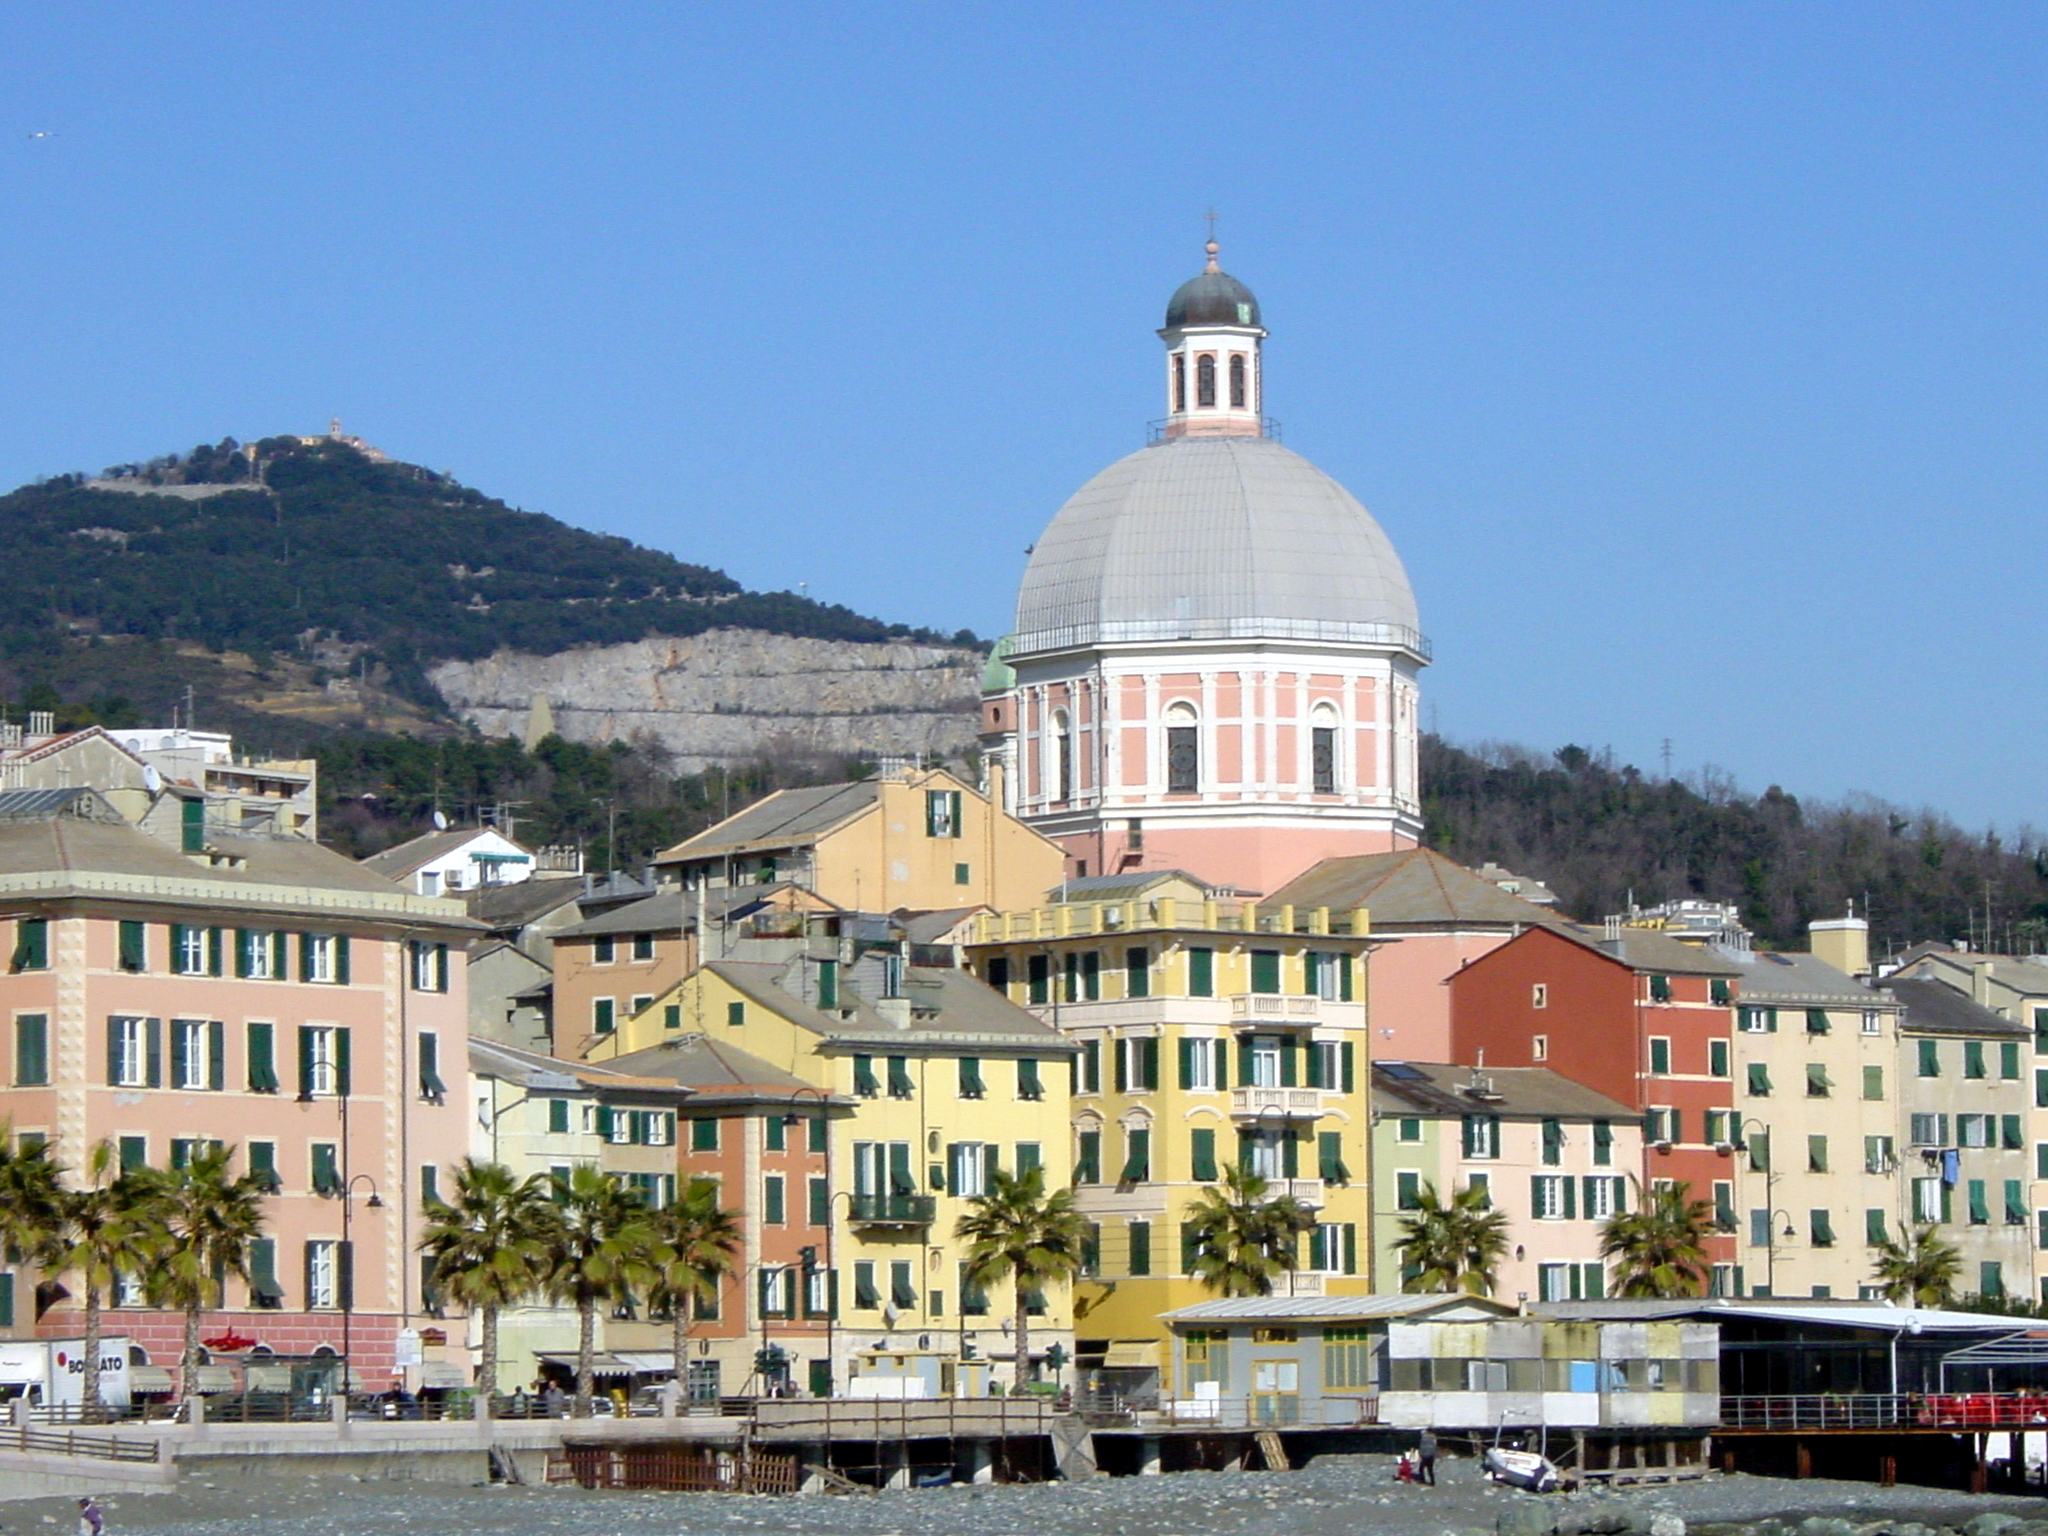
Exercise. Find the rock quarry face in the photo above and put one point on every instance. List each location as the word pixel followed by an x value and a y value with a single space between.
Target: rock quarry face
pixel 730 696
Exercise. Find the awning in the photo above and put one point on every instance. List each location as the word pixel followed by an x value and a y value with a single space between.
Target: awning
pixel 647 1362
pixel 214 1378
pixel 268 1378
pixel 443 1374
pixel 601 1365
pixel 1132 1355
pixel 149 1378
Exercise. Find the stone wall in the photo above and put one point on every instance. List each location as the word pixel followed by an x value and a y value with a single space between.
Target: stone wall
pixel 731 695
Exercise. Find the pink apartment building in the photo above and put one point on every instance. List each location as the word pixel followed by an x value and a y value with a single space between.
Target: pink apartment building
pixel 264 992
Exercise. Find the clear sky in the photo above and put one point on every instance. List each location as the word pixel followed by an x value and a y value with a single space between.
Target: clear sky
pixel 1692 354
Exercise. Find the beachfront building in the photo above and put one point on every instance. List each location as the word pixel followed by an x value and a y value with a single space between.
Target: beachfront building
pixel 1637 1015
pixel 762 1138
pixel 265 993
pixel 1209 1033
pixel 1963 1111
pixel 948 1082
pixel 1557 1158
pixel 1814 1148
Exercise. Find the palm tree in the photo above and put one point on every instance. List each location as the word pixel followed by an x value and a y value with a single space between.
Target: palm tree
pixel 1455 1244
pixel 600 1245
pixel 199 1222
pixel 1659 1248
pixel 1922 1270
pixel 97 1234
pixel 1242 1242
pixel 31 1194
pixel 1016 1231
pixel 487 1248
pixel 695 1239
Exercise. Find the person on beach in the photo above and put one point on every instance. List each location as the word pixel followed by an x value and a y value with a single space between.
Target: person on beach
pixel 1425 1453
pixel 91 1520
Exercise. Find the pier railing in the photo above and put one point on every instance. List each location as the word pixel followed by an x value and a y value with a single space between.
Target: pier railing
pixel 1884 1410
pixel 69 1442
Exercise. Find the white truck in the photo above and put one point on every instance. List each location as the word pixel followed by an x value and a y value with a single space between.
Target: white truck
pixel 52 1371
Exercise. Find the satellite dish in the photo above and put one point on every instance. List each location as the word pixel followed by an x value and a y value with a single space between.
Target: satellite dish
pixel 440 822
pixel 151 779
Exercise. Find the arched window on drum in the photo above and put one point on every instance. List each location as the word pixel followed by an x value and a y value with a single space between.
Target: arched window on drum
pixel 1183 750
pixel 1060 770
pixel 1322 750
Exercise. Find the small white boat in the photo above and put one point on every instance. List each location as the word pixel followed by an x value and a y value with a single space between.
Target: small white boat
pixel 1519 1469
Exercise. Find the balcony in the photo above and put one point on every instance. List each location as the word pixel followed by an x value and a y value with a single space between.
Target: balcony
pixel 894 1210
pixel 1273 1010
pixel 1281 1103
pixel 1310 1193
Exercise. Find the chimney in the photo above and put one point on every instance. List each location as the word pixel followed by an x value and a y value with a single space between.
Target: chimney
pixel 1980 983
pixel 1843 942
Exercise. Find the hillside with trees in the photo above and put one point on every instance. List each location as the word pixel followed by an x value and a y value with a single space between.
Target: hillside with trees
pixel 1601 834
pixel 314 542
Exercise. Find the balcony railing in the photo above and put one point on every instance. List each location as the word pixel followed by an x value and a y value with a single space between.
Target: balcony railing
pixel 895 1210
pixel 1308 1191
pixel 1288 1103
pixel 1275 1008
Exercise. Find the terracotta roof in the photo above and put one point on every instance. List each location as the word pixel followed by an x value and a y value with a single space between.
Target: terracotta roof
pixel 1524 1092
pixel 1416 888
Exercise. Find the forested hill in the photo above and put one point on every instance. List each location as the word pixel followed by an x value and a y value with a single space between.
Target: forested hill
pixel 1597 832
pixel 318 538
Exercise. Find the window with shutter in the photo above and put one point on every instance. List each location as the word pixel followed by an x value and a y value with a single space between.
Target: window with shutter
pixel 1201 973
pixel 1202 1155
pixel 31 1050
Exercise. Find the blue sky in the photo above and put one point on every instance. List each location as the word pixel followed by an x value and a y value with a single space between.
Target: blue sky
pixel 1692 354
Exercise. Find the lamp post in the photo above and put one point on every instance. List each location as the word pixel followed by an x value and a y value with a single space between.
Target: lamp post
pixel 346 1283
pixel 1770 1173
pixel 791 1121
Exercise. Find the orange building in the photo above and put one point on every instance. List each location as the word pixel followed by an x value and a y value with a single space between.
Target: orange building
pixel 763 1137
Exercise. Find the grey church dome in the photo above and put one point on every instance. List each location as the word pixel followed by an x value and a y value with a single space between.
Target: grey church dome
pixel 1208 538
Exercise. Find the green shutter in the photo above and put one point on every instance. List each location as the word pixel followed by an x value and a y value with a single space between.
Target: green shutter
pixel 1244 1061
pixel 1141 1247
pixel 1266 970
pixel 31 1050
pixel 1202 1161
pixel 134 948
pixel 1148 1062
pixel 1119 1057
pixel 178 932
pixel 242 937
pixel 262 1044
pixel 305 957
pixel 558 1117
pixel 156 1053
pixel 216 1055
pixel 341 970
pixel 344 1079
pixel 1288 1068
pixel 1201 973
pixel 1088 1159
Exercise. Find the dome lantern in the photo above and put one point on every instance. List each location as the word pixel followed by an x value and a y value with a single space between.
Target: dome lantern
pixel 1212 335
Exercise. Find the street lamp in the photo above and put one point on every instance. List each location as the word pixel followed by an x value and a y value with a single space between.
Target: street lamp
pixel 1770 1173
pixel 348 1257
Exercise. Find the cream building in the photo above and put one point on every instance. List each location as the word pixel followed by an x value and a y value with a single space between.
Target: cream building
pixel 1814 1153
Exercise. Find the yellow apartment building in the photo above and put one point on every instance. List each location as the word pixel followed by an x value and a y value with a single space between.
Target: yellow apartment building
pixel 949 1082
pixel 1208 1032
pixel 916 840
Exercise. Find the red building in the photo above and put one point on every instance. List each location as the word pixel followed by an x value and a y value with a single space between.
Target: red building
pixel 1634 1014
